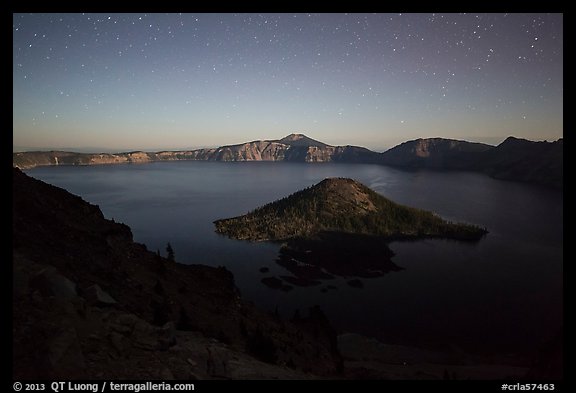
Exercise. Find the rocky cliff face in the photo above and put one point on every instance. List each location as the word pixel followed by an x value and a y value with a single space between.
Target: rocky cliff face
pixel 436 153
pixel 294 147
pixel 28 160
pixel 526 161
pixel 88 302
pixel 514 159
pixel 252 151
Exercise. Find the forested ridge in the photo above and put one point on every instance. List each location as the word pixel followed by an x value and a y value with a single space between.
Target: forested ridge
pixel 341 205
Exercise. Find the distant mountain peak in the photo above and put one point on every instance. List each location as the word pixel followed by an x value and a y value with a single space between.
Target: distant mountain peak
pixel 294 137
pixel 301 140
pixel 512 138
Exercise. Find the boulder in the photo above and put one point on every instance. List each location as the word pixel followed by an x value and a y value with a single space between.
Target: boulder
pixel 356 283
pixel 166 335
pixel 65 355
pixel 97 297
pixel 49 282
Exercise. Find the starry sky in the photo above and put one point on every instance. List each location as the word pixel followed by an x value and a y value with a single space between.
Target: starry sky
pixel 169 81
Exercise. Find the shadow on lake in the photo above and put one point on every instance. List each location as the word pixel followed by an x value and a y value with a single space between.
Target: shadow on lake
pixel 332 254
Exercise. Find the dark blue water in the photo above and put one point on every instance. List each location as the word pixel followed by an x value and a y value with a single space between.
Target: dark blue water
pixel 503 294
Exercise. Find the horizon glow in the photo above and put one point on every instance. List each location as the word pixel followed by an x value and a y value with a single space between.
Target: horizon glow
pixel 179 81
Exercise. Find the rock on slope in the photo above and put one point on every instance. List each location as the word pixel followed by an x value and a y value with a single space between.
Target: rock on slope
pixel 88 302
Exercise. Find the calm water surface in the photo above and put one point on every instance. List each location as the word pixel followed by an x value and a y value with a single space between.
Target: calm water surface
pixel 502 294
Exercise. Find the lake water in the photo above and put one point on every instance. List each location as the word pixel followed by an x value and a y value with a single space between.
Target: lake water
pixel 502 294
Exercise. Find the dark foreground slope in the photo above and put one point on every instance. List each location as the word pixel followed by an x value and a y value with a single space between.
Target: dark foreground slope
pixel 344 206
pixel 88 302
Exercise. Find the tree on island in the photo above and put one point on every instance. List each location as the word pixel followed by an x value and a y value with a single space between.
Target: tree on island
pixel 170 252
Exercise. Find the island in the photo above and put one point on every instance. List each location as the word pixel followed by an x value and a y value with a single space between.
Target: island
pixel 340 227
pixel 346 206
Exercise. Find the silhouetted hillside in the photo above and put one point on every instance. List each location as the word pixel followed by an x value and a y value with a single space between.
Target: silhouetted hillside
pixel 90 303
pixel 437 153
pixel 514 159
pixel 527 161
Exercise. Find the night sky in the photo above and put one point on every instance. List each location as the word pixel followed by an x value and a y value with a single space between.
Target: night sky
pixel 168 81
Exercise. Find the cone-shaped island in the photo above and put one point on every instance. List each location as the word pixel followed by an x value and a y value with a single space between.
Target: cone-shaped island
pixel 345 206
